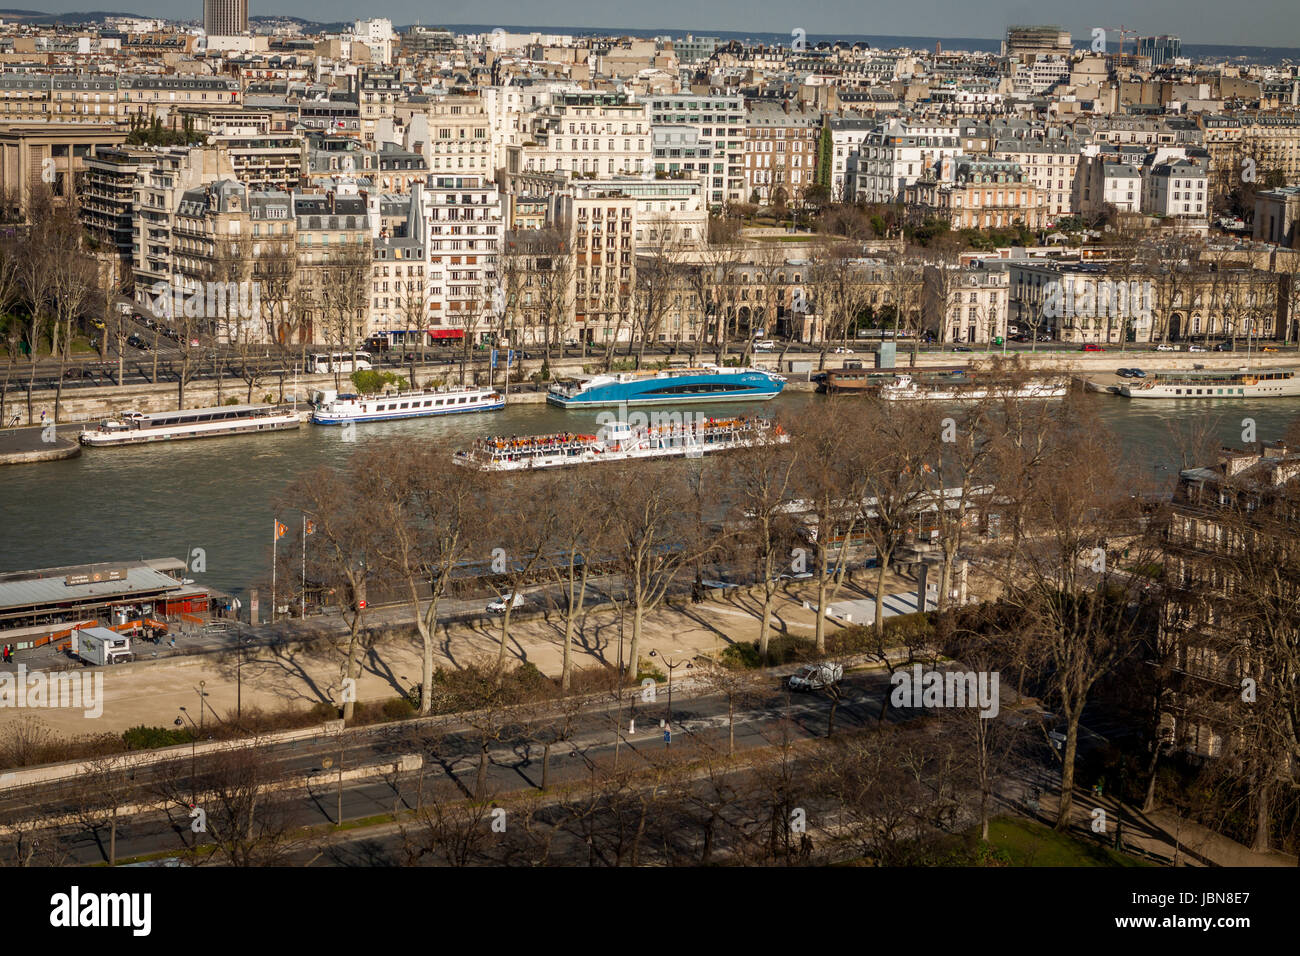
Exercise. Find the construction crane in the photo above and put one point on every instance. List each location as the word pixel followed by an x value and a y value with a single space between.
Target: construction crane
pixel 1123 32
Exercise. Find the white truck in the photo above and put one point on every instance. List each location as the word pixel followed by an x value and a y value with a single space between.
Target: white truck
pixel 816 676
pixel 99 645
pixel 511 601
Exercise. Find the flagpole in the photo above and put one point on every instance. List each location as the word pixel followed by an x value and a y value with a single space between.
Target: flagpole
pixel 275 543
pixel 304 564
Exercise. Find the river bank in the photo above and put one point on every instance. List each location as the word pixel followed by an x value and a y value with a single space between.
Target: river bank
pixel 77 405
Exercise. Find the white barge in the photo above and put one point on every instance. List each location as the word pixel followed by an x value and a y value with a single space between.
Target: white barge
pixel 331 408
pixel 905 388
pixel 1216 383
pixel 135 428
pixel 619 441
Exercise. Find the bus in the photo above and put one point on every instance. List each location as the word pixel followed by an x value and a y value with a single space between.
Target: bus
pixel 340 362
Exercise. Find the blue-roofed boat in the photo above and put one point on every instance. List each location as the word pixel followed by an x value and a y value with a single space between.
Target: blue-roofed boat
pixel 709 383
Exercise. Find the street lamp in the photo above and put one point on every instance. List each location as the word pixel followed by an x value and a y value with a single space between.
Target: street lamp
pixel 671 665
pixel 239 679
pixel 202 694
pixel 194 796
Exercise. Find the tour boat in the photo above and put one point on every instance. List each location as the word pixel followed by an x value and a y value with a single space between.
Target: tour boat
pixel 135 428
pixel 620 441
pixel 709 383
pixel 1215 383
pixel 905 388
pixel 331 408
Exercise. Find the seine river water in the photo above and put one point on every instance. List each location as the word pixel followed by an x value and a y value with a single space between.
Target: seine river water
pixel 114 504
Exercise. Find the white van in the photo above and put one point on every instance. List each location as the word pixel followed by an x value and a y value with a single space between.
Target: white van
pixel 765 345
pixel 816 676
pixel 510 601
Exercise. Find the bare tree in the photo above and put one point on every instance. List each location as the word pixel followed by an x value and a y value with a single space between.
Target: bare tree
pixel 763 479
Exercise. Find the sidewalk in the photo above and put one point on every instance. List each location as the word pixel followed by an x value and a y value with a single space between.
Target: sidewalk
pixel 290 675
pixel 22 445
pixel 1161 834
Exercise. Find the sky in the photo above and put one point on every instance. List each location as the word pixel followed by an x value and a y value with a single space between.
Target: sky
pixel 1237 22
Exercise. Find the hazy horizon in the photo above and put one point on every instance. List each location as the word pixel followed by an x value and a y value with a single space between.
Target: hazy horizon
pixel 1267 23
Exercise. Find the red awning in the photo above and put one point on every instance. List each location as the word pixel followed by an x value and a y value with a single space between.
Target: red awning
pixel 446 333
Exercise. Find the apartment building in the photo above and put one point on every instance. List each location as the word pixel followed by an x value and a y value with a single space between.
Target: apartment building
pixel 1103 181
pixel 588 135
pixel 1049 164
pixel 1175 190
pixel 376 93
pixel 266 162
pixel 400 303
pixel 222 233
pixel 387 169
pixel 965 303
pixel 148 94
pixel 896 154
pixel 780 150
pixel 332 233
pixel 669 213
pixel 464 223
pixel 976 193
pixel 721 124
pixel 1226 570
pixel 847 139
pixel 599 223
pixel 106 195
pixel 452 131
pixel 680 153
pixel 158 188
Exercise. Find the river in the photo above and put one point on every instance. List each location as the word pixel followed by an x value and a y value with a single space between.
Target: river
pixel 113 504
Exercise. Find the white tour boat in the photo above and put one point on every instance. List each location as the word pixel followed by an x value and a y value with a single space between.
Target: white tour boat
pixel 135 428
pixel 906 388
pixel 619 441
pixel 331 408
pixel 1215 383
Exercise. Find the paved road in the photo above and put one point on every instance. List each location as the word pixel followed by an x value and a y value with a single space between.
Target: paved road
pixel 451 747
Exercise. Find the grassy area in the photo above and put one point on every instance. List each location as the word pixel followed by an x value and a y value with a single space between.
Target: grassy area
pixel 1028 843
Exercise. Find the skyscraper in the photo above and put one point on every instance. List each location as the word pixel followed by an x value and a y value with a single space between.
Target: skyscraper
pixel 225 18
pixel 1162 50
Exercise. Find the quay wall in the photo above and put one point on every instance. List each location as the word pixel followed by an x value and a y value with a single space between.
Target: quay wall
pixel 94 404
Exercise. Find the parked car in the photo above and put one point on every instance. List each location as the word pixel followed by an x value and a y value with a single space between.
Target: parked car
pixel 1124 372
pixel 1044 336
pixel 1091 347
pixel 1166 347
pixel 1196 348
pixel 1136 373
pixel 841 350
pixel 816 676
pixel 1022 337
pixel 499 606
pixel 1268 348
pixel 764 345
pixel 962 348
